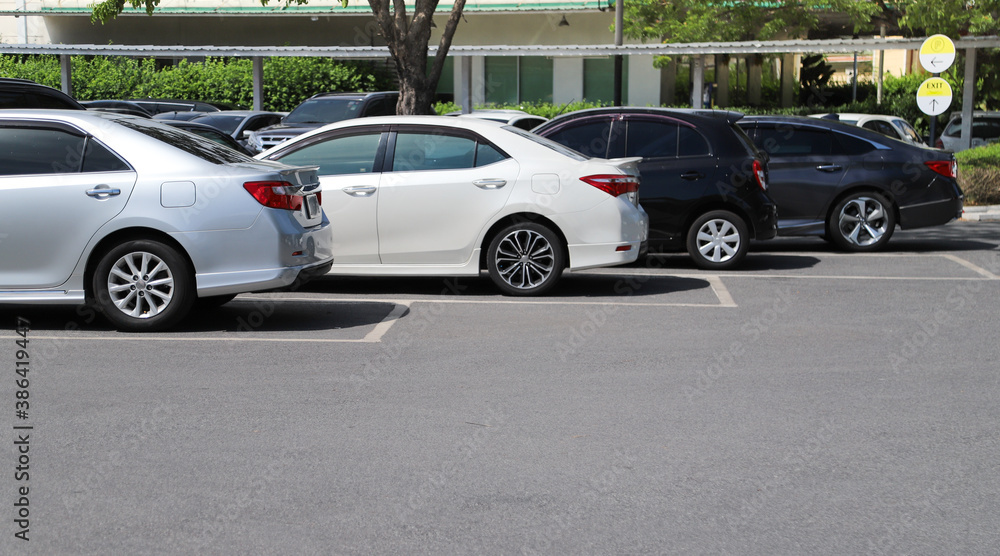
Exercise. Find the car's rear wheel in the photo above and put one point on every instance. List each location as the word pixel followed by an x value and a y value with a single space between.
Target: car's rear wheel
pixel 526 259
pixel 861 222
pixel 143 285
pixel 718 240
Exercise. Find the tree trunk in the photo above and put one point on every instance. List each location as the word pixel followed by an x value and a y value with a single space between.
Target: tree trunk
pixel 407 39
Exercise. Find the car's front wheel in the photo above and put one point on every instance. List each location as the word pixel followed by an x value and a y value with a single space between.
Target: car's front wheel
pixel 718 240
pixel 861 222
pixel 526 259
pixel 143 285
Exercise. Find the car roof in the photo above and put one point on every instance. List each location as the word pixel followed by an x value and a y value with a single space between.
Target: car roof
pixel 692 115
pixel 834 125
pixel 352 96
pixel 17 84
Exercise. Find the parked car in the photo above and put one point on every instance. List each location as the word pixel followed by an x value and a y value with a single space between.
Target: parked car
pixel 142 221
pixel 319 110
pixel 851 185
pixel 704 184
pixel 22 93
pixel 427 195
pixel 516 118
pixel 236 123
pixel 210 133
pixel 159 105
pixel 890 126
pixel 985 130
pixel 118 107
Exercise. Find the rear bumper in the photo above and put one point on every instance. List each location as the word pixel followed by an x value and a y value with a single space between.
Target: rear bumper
pixel 932 213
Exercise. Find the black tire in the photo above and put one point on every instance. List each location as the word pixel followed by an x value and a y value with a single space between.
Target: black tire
pixel 718 240
pixel 525 259
pixel 155 292
pixel 861 222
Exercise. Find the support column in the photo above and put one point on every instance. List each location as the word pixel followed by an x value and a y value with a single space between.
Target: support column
pixel 722 80
pixel 754 79
pixel 257 71
pixel 787 79
pixel 463 83
pixel 567 80
pixel 66 74
pixel 668 82
pixel 968 93
pixel 697 81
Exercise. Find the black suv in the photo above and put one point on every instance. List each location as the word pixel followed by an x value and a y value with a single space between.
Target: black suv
pixel 22 93
pixel 321 109
pixel 704 183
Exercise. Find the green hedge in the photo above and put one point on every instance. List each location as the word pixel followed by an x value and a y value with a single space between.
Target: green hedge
pixel 287 81
pixel 979 174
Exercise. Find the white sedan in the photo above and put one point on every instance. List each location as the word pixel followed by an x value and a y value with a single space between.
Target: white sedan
pixel 430 195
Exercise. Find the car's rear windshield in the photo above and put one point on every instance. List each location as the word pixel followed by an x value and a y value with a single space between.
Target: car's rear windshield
pixel 202 148
pixel 223 122
pixel 565 151
pixel 324 111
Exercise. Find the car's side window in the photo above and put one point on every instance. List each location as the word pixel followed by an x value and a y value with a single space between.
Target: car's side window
pixel 590 138
pixel 797 141
pixel 39 151
pixel 416 151
pixel 487 154
pixel 651 139
pixel 350 154
pixel 847 145
pixel 97 158
pixel 691 143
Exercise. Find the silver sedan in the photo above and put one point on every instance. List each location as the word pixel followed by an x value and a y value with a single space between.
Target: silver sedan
pixel 142 221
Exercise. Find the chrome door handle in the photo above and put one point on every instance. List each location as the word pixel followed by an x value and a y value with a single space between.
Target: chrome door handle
pixel 359 190
pixel 490 184
pixel 829 167
pixel 692 175
pixel 103 192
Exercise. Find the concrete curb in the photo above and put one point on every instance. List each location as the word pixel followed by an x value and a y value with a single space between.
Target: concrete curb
pixel 982 214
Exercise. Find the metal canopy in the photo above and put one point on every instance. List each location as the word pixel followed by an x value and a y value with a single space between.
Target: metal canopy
pixel 692 49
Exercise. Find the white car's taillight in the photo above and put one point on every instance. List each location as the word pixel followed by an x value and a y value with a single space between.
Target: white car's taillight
pixel 613 184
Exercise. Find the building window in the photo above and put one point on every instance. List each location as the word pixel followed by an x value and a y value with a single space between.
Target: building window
pixel 512 80
pixel 536 79
pixel 599 79
pixel 446 85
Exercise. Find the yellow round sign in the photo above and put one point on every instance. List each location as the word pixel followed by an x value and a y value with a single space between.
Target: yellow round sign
pixel 934 96
pixel 937 53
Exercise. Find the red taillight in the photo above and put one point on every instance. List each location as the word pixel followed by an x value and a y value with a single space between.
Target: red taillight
pixel 759 175
pixel 274 194
pixel 939 144
pixel 613 184
pixel 947 168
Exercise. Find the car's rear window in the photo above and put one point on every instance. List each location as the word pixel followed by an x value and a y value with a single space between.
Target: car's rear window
pixel 324 111
pixel 202 148
pixel 223 122
pixel 546 143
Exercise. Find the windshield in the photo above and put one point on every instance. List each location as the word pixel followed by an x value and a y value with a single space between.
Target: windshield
pixel 224 122
pixel 202 148
pixel 565 151
pixel 908 130
pixel 324 111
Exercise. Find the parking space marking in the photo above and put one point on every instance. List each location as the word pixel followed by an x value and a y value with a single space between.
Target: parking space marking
pixel 400 307
pixel 973 267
